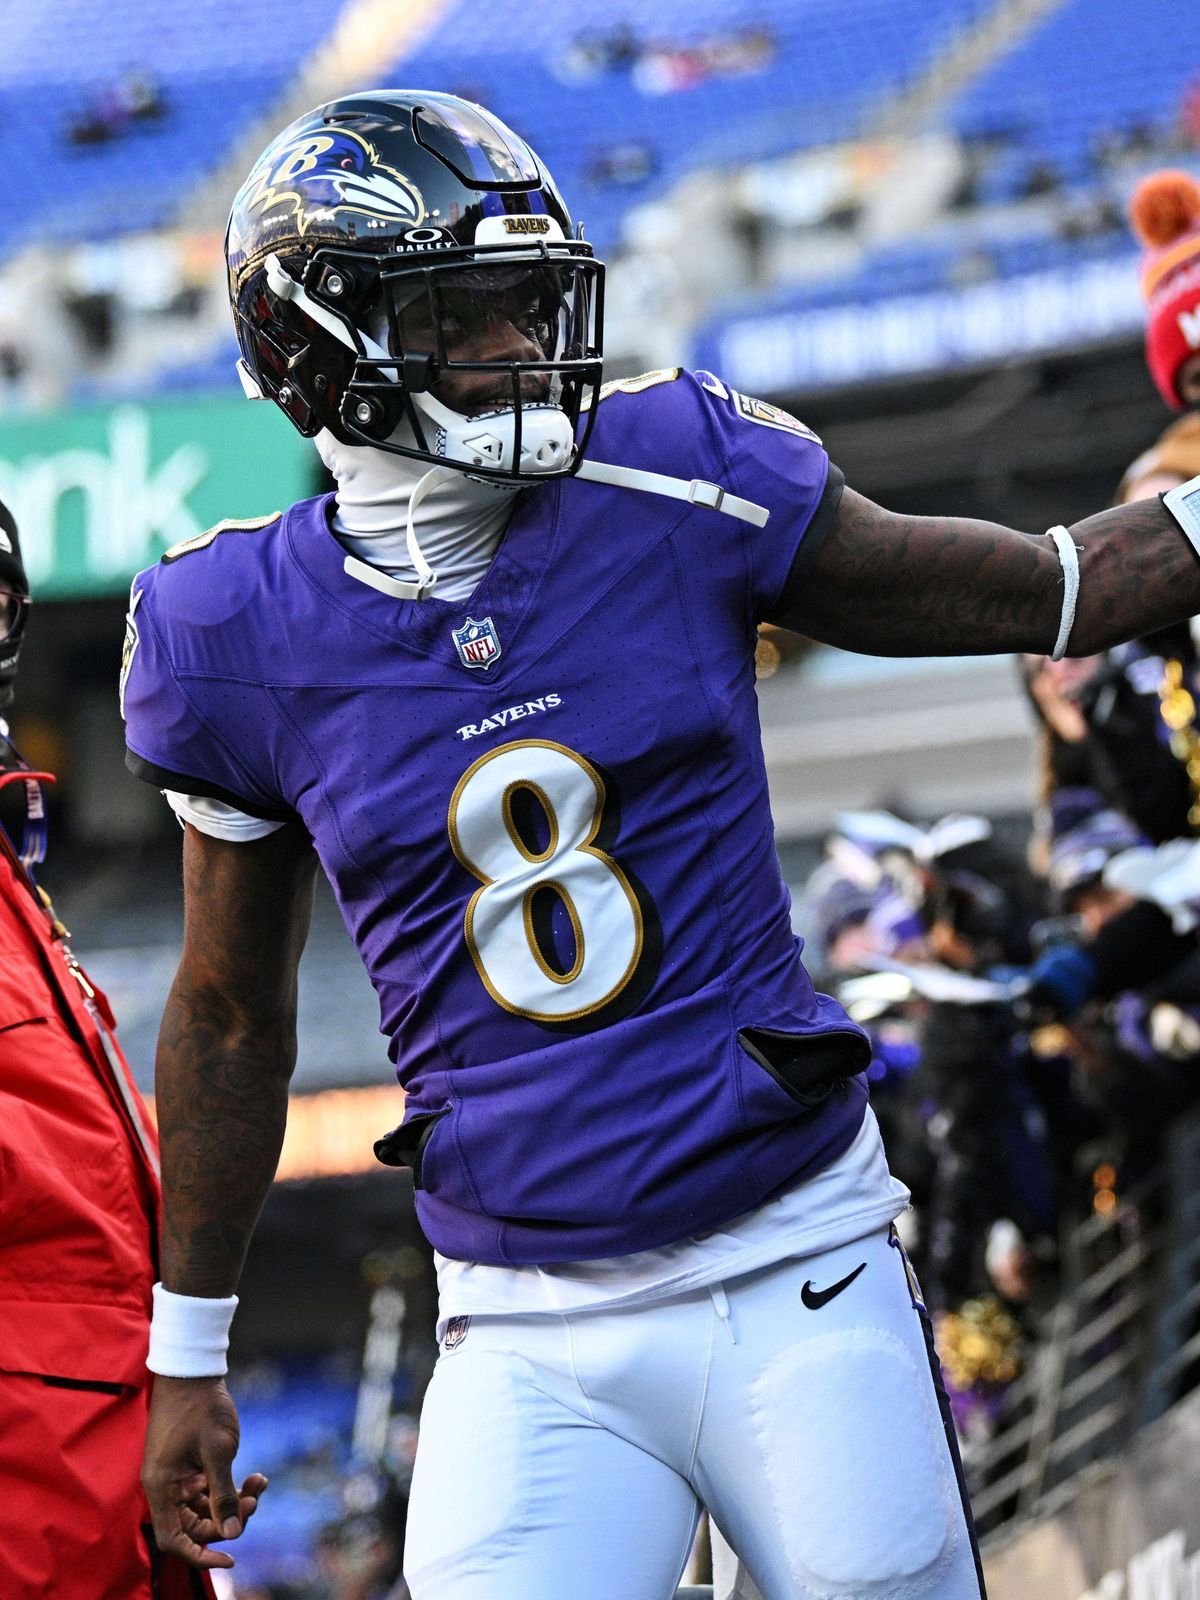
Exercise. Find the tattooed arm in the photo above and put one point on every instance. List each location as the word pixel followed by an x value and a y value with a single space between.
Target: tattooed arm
pixel 893 585
pixel 227 1048
pixel 226 1052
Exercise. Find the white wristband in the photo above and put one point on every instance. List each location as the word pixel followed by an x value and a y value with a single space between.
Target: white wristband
pixel 1068 558
pixel 189 1335
pixel 1184 505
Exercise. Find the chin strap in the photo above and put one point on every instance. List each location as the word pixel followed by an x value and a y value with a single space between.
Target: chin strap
pixel 281 283
pixel 695 491
pixel 426 582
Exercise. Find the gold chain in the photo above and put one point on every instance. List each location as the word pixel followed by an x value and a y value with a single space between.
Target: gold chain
pixel 1178 710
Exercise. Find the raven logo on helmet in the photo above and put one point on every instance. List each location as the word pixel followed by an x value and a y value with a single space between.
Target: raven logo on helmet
pixel 320 175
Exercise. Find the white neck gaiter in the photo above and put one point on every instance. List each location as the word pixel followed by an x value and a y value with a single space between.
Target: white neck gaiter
pixel 458 527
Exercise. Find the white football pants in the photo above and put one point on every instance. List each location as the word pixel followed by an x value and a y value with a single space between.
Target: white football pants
pixel 567 1457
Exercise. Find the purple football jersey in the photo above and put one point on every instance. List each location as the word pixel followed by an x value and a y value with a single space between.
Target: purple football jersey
pixel 544 814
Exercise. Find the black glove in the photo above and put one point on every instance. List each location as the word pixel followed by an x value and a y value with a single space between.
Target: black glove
pixel 14 605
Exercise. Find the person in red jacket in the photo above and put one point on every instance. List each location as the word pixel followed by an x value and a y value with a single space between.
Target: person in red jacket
pixel 79 1197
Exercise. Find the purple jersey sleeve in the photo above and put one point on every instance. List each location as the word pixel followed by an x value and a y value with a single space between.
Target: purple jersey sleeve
pixel 168 742
pixel 777 462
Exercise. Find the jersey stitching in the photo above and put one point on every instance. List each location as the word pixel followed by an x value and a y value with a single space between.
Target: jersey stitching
pixel 534 588
pixel 464 1164
pixel 307 745
pixel 389 636
pixel 393 638
pixel 201 541
pixel 575 1372
pixel 638 385
pixel 748 549
pixel 286 716
pixel 617 579
pixel 773 607
pixel 284 685
pixel 809 548
pixel 165 778
pixel 656 465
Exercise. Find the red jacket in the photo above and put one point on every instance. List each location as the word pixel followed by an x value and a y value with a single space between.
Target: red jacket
pixel 79 1197
pixel 78 1162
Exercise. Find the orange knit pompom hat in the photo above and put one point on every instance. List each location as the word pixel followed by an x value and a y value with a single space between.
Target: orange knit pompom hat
pixel 1165 213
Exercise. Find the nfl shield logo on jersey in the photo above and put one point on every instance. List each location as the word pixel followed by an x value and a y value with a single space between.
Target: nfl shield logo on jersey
pixel 476 643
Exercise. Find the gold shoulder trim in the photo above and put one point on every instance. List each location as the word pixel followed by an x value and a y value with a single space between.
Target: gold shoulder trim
pixel 200 541
pixel 645 380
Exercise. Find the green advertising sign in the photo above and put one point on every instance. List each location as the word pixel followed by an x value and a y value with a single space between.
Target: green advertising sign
pixel 99 493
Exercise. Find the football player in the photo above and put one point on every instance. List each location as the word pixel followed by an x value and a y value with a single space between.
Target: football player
pixel 501 686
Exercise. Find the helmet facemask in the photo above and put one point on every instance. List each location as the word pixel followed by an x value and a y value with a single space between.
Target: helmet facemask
pixel 490 354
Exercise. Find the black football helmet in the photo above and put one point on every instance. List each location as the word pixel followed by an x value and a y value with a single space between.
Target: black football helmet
pixel 373 251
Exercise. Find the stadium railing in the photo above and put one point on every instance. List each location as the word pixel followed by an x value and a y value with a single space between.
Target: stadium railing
pixel 1117 1350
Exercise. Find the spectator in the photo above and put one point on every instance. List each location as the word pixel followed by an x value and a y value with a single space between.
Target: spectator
pixel 136 97
pixel 1133 1058
pixel 1165 212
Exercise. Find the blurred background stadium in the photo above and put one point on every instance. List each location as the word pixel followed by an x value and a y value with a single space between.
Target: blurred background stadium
pixel 903 220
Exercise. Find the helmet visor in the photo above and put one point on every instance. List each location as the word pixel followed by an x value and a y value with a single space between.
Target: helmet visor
pixel 465 311
pixel 491 317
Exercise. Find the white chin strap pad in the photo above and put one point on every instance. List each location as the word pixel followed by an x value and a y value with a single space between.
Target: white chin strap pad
pixel 547 441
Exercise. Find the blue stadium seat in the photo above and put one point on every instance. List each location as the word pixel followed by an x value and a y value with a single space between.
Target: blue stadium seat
pixel 830 63
pixel 1092 66
pixel 218 65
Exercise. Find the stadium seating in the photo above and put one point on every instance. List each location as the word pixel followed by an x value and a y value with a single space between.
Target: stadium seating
pixel 215 64
pixel 622 111
pixel 824 66
pixel 1093 67
pixel 913 267
pixel 204 38
pixel 827 65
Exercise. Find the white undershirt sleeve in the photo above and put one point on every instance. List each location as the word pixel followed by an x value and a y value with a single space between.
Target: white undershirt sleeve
pixel 217 819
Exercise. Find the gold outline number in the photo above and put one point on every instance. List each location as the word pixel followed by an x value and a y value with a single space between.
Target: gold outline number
pixel 555 852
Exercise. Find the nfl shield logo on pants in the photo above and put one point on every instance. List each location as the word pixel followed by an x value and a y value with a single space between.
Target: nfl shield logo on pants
pixel 476 643
pixel 456 1332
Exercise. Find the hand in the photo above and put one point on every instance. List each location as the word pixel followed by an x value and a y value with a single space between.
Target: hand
pixel 191 1440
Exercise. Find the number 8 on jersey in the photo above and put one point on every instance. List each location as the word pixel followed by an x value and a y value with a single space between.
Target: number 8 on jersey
pixel 525 865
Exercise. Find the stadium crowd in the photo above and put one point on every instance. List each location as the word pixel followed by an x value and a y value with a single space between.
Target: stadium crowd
pixel 1043 1086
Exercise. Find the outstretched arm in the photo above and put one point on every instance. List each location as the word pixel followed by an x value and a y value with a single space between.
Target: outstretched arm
pixel 892 585
pixel 225 1056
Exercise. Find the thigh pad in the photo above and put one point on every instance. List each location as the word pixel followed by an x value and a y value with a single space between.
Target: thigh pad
pixel 858 1466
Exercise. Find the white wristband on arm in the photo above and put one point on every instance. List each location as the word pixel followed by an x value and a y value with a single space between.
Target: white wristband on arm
pixel 1184 505
pixel 189 1336
pixel 1068 558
